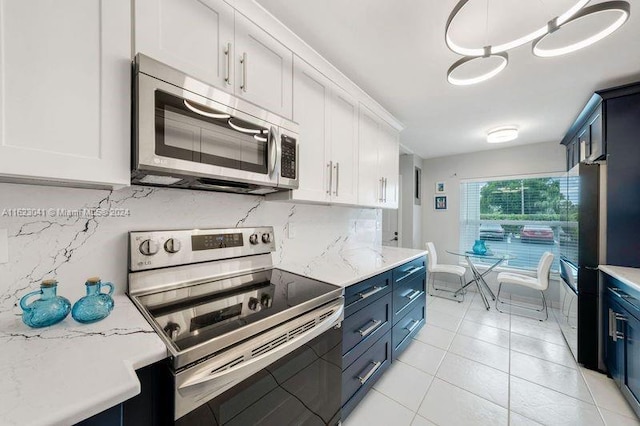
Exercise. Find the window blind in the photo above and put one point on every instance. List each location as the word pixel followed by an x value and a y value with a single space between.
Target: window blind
pixel 521 217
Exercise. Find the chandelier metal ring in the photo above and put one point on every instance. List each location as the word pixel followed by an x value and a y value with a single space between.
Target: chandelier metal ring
pixel 477 79
pixel 480 51
pixel 611 6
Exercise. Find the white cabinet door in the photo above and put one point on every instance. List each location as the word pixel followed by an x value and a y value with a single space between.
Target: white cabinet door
pixel 190 35
pixel 369 176
pixel 65 90
pixel 311 112
pixel 344 147
pixel 264 68
pixel 388 159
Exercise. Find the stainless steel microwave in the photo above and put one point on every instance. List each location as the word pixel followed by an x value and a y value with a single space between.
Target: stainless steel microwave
pixel 189 134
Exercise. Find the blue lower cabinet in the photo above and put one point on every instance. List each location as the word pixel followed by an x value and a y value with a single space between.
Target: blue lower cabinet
pixel 360 376
pixel 622 332
pixel 404 330
pixel 362 329
pixel 382 314
pixel 151 407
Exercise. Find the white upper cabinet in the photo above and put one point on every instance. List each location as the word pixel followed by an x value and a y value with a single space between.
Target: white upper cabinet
pixel 264 68
pixel 344 146
pixel 389 164
pixel 378 162
pixel 311 111
pixel 65 91
pixel 370 179
pixel 194 36
pixel 328 119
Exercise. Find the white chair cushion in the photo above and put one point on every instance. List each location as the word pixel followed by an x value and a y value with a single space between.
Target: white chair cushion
pixel 523 280
pixel 449 269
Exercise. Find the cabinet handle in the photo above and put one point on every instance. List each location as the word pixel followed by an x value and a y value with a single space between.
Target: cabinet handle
pixel 330 169
pixel 371 292
pixel 413 326
pixel 385 190
pixel 363 379
pixel 611 323
pixel 413 294
pixel 243 61
pixel 337 178
pixel 370 329
pixel 227 54
pixel 381 199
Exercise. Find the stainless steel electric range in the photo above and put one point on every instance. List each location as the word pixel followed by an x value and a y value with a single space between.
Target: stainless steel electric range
pixel 248 344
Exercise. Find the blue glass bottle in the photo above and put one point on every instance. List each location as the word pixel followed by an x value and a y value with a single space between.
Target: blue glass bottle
pixel 479 247
pixel 48 309
pixel 95 305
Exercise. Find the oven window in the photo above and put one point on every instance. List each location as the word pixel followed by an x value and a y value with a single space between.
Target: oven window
pixel 190 131
pixel 302 388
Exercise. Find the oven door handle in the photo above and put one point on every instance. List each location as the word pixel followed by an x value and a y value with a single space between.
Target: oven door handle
pixel 245 369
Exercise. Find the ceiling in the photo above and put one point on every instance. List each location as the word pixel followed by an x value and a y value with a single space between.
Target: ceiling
pixel 395 51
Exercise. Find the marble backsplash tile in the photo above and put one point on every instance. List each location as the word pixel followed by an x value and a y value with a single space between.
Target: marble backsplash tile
pixel 61 240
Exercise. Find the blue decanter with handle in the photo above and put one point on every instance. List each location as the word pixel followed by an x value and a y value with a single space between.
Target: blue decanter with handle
pixel 95 305
pixel 49 309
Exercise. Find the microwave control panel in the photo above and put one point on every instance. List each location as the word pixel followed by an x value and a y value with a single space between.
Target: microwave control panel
pixel 288 160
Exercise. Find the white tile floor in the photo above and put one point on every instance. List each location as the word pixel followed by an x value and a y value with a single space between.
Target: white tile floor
pixel 470 366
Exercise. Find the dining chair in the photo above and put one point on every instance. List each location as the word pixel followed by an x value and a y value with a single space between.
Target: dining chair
pixel 433 267
pixel 540 283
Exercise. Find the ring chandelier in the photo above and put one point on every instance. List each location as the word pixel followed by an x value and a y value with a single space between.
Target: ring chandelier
pixel 577 12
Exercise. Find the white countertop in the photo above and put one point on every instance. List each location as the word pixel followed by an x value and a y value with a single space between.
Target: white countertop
pixel 629 276
pixel 348 267
pixel 65 373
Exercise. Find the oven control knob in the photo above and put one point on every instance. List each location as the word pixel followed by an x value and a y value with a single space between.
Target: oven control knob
pixel 266 238
pixel 172 245
pixel 266 301
pixel 254 304
pixel 253 239
pixel 149 247
pixel 172 329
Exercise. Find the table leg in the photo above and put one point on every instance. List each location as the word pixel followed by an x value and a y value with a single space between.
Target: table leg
pixel 477 279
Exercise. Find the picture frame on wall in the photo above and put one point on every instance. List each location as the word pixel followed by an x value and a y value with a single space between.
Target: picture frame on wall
pixel 440 202
pixel 440 188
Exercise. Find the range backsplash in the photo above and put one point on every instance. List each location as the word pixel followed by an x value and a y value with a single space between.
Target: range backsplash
pixel 63 240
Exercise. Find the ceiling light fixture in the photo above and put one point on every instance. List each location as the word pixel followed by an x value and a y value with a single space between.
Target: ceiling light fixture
pixel 502 134
pixel 504 60
pixel 621 7
pixel 480 51
pixel 578 11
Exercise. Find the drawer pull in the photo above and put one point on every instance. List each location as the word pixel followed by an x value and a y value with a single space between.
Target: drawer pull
pixel 413 326
pixel 410 271
pixel 370 329
pixel 413 294
pixel 367 376
pixel 371 292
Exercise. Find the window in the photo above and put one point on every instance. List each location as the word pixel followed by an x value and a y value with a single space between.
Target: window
pixel 522 217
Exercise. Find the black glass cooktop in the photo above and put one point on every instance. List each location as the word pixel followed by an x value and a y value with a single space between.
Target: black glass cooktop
pixel 195 314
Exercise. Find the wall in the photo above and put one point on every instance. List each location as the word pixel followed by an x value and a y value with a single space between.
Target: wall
pixel 74 248
pixel 411 213
pixel 442 227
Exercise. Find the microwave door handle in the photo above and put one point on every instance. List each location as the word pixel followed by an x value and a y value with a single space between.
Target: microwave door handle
pixel 245 369
pixel 273 150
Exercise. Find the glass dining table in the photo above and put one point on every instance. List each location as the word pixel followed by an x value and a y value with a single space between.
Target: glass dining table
pixel 490 261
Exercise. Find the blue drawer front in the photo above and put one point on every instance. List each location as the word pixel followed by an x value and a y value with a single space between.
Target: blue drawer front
pixel 416 266
pixel 362 329
pixel 361 294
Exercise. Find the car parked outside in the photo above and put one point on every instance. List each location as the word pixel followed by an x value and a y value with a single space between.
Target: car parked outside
pixel 537 234
pixel 491 231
